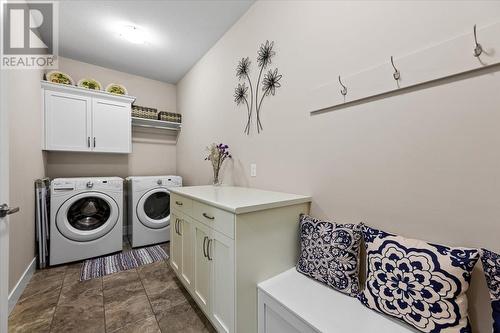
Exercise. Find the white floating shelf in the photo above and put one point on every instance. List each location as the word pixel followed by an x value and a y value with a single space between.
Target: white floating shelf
pixel 153 123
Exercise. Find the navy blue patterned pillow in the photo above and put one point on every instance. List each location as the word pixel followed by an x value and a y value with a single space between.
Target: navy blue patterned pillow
pixel 420 283
pixel 329 253
pixel 491 266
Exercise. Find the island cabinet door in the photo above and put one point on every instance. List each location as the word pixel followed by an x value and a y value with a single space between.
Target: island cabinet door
pixel 175 243
pixel 202 266
pixel 187 261
pixel 221 255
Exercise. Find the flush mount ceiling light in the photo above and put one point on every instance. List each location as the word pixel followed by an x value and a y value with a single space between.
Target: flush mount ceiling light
pixel 133 34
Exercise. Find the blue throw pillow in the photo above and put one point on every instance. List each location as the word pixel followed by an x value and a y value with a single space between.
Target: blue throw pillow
pixel 491 266
pixel 419 283
pixel 329 253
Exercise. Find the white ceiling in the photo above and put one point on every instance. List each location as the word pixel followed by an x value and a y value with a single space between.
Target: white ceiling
pixel 181 32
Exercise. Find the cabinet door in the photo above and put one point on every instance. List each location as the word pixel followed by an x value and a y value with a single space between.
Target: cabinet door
pixel 187 262
pixel 111 126
pixel 221 255
pixel 175 244
pixel 67 121
pixel 201 283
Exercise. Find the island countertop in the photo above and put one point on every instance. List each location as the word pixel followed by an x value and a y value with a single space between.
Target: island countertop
pixel 239 200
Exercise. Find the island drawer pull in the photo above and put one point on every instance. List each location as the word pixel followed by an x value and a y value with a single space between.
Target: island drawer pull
pixel 208 216
pixel 178 203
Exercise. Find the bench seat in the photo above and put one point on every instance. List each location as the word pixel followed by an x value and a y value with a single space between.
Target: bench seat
pixel 291 302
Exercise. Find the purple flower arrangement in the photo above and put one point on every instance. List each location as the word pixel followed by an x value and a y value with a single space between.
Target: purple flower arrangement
pixel 217 154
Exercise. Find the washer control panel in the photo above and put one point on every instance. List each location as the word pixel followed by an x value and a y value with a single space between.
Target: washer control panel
pixel 63 185
pixel 74 184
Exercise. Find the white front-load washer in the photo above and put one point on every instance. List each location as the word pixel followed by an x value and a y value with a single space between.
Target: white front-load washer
pixel 149 209
pixel 86 218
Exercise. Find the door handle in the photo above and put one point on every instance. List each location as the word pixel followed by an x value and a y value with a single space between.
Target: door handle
pixel 208 216
pixel 88 141
pixel 94 141
pixel 6 210
pixel 208 249
pixel 204 249
pixel 180 227
pixel 175 227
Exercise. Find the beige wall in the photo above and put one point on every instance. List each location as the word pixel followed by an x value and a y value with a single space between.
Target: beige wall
pixel 154 151
pixel 423 164
pixel 27 163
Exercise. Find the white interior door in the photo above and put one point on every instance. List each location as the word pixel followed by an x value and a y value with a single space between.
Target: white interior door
pixel 4 199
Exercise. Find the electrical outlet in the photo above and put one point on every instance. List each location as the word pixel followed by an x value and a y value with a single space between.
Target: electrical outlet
pixel 253 170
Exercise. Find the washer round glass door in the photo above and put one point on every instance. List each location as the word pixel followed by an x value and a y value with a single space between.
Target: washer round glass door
pixel 87 216
pixel 153 208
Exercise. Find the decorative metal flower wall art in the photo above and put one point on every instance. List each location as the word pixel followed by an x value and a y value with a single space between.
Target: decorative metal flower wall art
pixel 267 83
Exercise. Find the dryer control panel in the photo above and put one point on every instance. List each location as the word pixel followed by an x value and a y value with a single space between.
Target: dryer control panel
pixel 150 182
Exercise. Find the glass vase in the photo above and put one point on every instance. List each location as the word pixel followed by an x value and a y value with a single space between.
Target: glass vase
pixel 216 181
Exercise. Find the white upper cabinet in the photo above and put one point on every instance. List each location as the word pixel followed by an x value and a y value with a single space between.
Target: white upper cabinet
pixel 78 119
pixel 67 121
pixel 111 126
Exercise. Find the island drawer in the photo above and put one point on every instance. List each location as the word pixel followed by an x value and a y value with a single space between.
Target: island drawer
pixel 181 203
pixel 216 218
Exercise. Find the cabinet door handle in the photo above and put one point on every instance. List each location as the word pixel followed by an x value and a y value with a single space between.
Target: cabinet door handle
pixel 177 226
pixel 88 141
pixel 208 249
pixel 204 249
pixel 180 227
pixel 94 141
pixel 208 216
pixel 178 203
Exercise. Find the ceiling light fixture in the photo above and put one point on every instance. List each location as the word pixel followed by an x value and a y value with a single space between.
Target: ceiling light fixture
pixel 133 34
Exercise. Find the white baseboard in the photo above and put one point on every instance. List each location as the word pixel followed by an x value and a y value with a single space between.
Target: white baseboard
pixel 21 284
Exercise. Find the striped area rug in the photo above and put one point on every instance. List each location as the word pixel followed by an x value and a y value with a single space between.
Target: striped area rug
pixel 114 263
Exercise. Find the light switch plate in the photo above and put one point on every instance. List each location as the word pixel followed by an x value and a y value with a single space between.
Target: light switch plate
pixel 253 170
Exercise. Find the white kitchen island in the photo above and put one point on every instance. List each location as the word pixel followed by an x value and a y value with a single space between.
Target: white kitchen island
pixel 225 240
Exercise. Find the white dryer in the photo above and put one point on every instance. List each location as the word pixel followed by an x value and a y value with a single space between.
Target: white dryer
pixel 86 218
pixel 149 209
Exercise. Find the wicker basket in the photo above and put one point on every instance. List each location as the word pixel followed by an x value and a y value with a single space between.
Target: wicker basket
pixel 144 112
pixel 169 116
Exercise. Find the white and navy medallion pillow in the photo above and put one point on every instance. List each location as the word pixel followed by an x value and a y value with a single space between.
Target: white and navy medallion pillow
pixel 420 283
pixel 329 253
pixel 491 266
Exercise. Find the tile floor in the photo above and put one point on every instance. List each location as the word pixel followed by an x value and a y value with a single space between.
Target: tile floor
pixel 147 299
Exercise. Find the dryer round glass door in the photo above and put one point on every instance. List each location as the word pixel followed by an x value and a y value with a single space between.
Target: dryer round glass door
pixel 87 216
pixel 153 208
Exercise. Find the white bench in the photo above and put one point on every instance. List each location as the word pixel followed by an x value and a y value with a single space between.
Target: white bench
pixel 291 302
